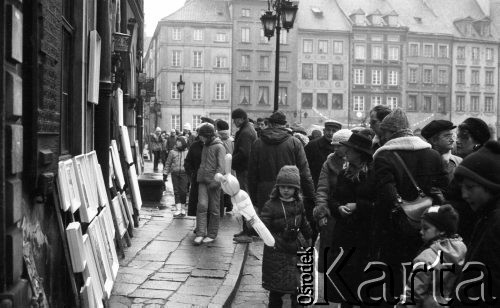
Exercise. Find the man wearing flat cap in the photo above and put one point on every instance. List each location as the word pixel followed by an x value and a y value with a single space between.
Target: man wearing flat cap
pixel 439 133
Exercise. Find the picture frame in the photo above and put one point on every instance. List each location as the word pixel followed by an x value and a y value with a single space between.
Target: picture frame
pixel 62 187
pixel 134 187
pixel 89 207
pixel 119 103
pixel 15 33
pixel 118 215
pixel 99 179
pixel 127 149
pixel 94 66
pixel 89 177
pixel 110 226
pixel 128 209
pixel 72 183
pixel 101 257
pixel 109 244
pixel 87 294
pixel 117 165
pixel 92 272
pixel 124 213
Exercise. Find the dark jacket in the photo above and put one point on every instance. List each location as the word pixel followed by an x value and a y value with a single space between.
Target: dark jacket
pixel 212 161
pixel 243 140
pixel 279 264
pixel 171 141
pixel 193 159
pixel 275 149
pixel 316 152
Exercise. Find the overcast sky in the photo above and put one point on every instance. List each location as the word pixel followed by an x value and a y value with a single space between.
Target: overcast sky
pixel 154 10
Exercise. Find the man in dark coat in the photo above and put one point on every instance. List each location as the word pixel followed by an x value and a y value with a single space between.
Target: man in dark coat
pixel 273 150
pixel 392 184
pixel 243 140
pixel 318 149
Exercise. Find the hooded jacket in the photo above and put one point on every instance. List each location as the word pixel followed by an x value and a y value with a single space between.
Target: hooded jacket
pixel 175 161
pixel 212 161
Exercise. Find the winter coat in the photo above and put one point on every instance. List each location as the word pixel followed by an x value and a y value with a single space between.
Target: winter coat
pixel 431 284
pixel 193 159
pixel 212 161
pixel 484 247
pixel 156 142
pixel 227 141
pixel 243 140
pixel 275 149
pixel 427 167
pixel 279 263
pixel 175 161
pixel 170 142
pixel 316 152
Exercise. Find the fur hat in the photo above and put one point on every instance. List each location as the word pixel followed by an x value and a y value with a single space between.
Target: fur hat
pixel 477 128
pixel 341 136
pixel 206 130
pixel 222 125
pixel 483 167
pixel 278 117
pixel 443 217
pixel 360 143
pixel 239 114
pixel 288 176
pixel 395 121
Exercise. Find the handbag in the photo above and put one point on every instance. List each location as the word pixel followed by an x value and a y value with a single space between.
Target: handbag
pixel 414 209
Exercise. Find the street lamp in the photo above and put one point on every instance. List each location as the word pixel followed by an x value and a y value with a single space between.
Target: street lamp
pixel 180 89
pixel 282 14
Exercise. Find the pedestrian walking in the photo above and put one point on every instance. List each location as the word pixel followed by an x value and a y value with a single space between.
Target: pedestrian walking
pixel 175 167
pixel 284 216
pixel 431 283
pixel 212 162
pixel 156 143
pixel 164 148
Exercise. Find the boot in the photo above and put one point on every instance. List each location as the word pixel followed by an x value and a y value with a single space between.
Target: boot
pixel 177 212
pixel 183 210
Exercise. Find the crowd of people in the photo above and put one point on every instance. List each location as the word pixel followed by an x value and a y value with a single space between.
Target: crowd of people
pixel 346 189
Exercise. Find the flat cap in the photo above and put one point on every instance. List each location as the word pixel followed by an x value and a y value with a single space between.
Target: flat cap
pixel 333 123
pixel 435 127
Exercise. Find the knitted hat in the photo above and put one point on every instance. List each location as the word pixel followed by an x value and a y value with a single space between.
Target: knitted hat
pixel 477 128
pixel 341 136
pixel 395 121
pixel 443 217
pixel 187 126
pixel 157 130
pixel 288 176
pixel 239 114
pixel 207 130
pixel 222 125
pixel 483 167
pixel 278 117
pixel 332 123
pixel 435 127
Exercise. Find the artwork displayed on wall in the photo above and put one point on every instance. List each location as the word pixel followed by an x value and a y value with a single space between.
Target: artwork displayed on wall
pixel 68 187
pixel 94 66
pixel 127 150
pixel 117 213
pixel 116 164
pixel 101 188
pixel 101 257
pixel 109 244
pixel 134 187
pixel 75 245
pixel 128 209
pixel 88 210
pixel 92 271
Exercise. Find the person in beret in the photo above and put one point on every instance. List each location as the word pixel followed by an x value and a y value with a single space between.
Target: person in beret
pixel 439 133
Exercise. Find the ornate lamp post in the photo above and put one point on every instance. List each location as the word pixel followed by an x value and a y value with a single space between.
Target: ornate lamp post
pixel 279 14
pixel 180 89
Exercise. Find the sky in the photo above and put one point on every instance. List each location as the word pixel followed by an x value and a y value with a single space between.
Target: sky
pixel 154 10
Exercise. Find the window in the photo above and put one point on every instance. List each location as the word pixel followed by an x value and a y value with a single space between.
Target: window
pixel 460 103
pixel 474 103
pixel 376 100
pixel 307 99
pixel 322 71
pixel 245 61
pixel 392 102
pixel 220 91
pixel 322 101
pixel 376 77
pixel 413 75
pixel 359 52
pixel 474 77
pixel 412 103
pixel 427 103
pixel 443 51
pixel 489 78
pixel 441 104
pixel 176 34
pixel 376 52
pixel 245 12
pixel 307 46
pixel 393 53
pixel 475 53
pixel 263 95
pixel 264 63
pixel 220 37
pixel 358 103
pixel 460 75
pixel 338 47
pixel 359 76
pixel 337 101
pixel 392 78
pixel 414 47
pixel 307 71
pixel 489 54
pixel 220 62
pixel 176 58
pixel 283 96
pixel 196 121
pixel 245 35
pixel 442 76
pixel 175 122
pixel 174 94
pixel 460 52
pixel 283 64
pixel 488 104
pixel 196 90
pixel 197 59
pixel 428 75
pixel 283 37
pixel 245 95
pixel 428 50
pixel 337 72
pixel 198 35
pixel 322 46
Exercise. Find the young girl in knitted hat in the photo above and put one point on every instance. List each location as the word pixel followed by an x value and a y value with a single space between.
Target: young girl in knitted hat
pixel 431 282
pixel 284 215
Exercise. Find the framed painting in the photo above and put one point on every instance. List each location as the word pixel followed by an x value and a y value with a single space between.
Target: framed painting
pixel 128 208
pixel 88 177
pixel 87 294
pixel 139 163
pixel 117 165
pixel 72 182
pixel 99 179
pixel 62 187
pixel 88 210
pixel 92 272
pixel 15 33
pixel 109 244
pixel 94 66
pixel 127 150
pixel 124 213
pixel 101 257
pixel 134 187
pixel 76 249
pixel 110 226
pixel 118 215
